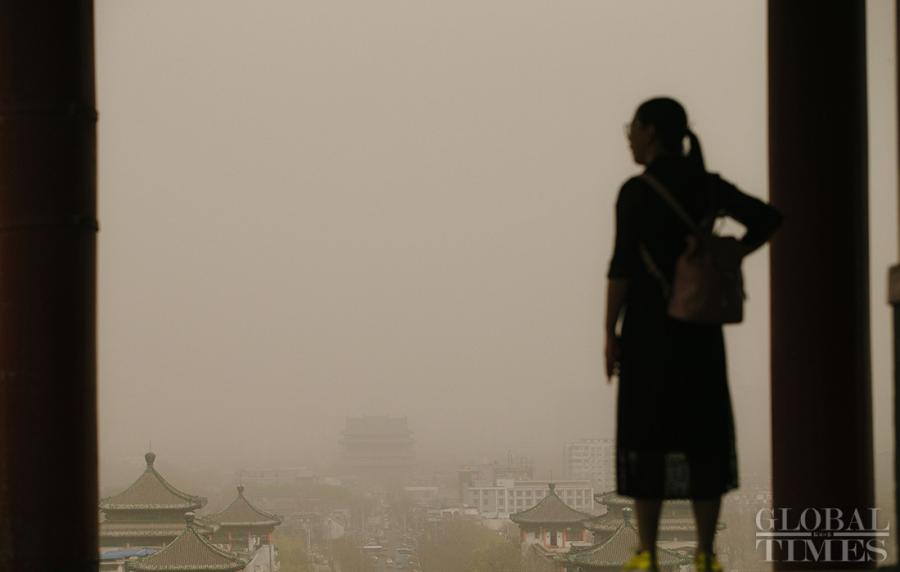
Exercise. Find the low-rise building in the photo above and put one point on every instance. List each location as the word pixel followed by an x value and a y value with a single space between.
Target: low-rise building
pixel 505 497
pixel 516 468
pixel 423 495
pixel 276 476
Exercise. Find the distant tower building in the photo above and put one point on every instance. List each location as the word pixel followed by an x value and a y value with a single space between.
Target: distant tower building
pixel 593 460
pixel 378 449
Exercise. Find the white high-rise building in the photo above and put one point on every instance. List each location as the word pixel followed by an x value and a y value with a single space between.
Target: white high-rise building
pixel 592 460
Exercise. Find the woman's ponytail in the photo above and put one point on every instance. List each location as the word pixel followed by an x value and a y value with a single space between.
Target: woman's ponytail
pixel 695 153
pixel 671 123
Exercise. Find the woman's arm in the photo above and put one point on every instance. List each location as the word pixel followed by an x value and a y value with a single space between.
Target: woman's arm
pixel 622 265
pixel 761 219
pixel 616 291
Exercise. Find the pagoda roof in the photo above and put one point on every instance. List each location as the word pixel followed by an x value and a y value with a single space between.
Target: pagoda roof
pixel 152 492
pixel 241 513
pixel 618 548
pixel 190 552
pixel 551 510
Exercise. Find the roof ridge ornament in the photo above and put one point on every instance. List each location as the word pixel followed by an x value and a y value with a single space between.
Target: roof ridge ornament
pixel 150 457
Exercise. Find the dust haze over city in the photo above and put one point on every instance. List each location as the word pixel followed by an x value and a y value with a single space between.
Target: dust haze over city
pixel 319 210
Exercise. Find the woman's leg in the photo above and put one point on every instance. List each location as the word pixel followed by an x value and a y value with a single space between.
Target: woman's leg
pixel 648 522
pixel 706 513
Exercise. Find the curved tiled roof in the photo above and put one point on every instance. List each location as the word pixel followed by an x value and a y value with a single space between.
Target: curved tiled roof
pixel 190 552
pixel 551 510
pixel 618 548
pixel 241 513
pixel 152 492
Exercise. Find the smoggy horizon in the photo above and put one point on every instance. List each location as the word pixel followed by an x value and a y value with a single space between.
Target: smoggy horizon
pixel 313 211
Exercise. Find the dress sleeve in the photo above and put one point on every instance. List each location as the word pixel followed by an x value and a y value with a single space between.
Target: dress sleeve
pixel 760 219
pixel 625 255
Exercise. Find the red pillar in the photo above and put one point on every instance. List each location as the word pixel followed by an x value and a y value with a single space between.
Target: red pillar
pixel 821 394
pixel 47 287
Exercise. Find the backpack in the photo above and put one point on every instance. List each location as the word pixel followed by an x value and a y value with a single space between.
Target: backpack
pixel 708 285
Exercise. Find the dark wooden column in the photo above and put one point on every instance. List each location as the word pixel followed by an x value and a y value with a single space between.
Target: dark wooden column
pixel 821 388
pixel 48 437
pixel 894 299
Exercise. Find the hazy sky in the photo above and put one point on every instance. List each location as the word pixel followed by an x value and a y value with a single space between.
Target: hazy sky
pixel 318 209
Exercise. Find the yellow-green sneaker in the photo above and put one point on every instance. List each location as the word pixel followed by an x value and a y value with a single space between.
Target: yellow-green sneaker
pixel 705 562
pixel 642 560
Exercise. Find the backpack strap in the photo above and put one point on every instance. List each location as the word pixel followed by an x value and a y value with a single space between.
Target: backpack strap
pixel 654 270
pixel 670 200
pixel 673 203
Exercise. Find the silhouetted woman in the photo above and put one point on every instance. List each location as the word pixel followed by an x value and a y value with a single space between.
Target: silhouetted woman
pixel 675 431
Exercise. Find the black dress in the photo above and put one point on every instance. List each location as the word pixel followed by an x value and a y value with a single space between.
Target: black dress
pixel 675 430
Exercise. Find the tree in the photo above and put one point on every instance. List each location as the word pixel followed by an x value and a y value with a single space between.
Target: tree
pixel 459 545
pixel 499 556
pixel 347 555
pixel 292 553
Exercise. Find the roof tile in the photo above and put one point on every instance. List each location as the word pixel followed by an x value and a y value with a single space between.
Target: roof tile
pixel 618 548
pixel 152 492
pixel 551 510
pixel 190 552
pixel 241 513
